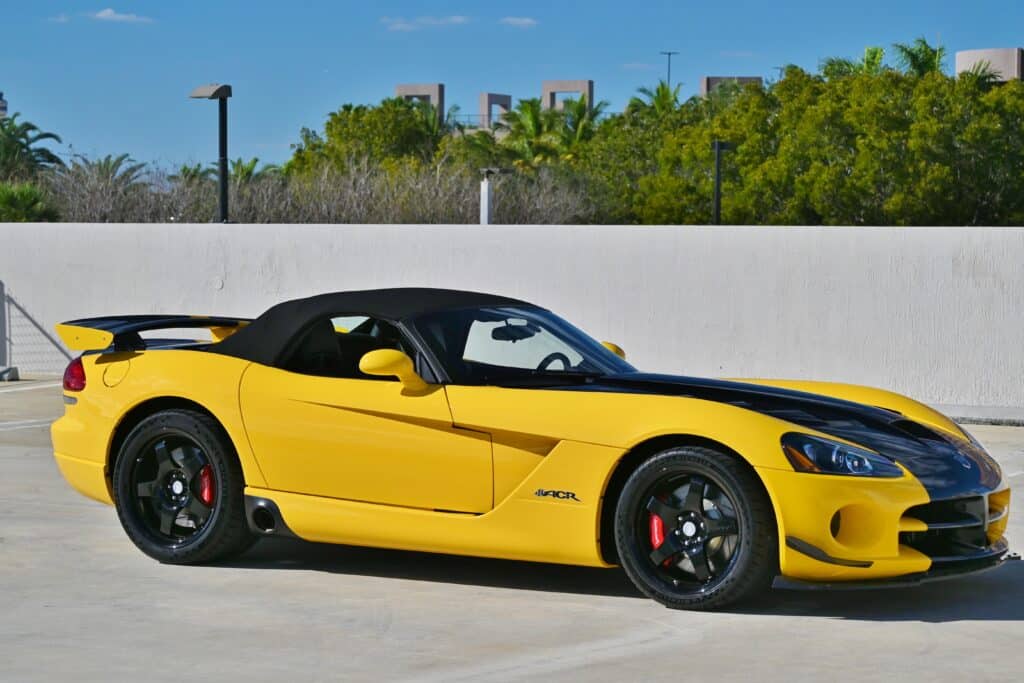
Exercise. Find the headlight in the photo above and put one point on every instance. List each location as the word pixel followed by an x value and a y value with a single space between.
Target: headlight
pixel 810 454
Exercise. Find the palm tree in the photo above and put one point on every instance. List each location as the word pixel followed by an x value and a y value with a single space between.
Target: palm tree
pixel 433 126
pixel 21 157
pixel 243 171
pixel 920 58
pixel 663 100
pixel 532 133
pixel 579 121
pixel 121 170
pixel 189 174
pixel 24 203
pixel 872 64
pixel 982 75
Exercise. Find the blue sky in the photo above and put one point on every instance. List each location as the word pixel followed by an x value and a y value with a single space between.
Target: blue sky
pixel 113 78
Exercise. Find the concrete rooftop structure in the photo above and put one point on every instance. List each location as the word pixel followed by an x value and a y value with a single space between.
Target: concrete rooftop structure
pixel 1007 62
pixel 432 93
pixel 490 101
pixel 550 90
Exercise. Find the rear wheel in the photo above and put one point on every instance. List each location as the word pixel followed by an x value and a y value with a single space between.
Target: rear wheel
pixel 694 529
pixel 179 489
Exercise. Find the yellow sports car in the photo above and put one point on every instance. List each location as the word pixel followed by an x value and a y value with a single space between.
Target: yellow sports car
pixel 455 422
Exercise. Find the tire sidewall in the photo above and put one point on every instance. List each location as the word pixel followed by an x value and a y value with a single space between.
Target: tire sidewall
pixel 180 424
pixel 634 550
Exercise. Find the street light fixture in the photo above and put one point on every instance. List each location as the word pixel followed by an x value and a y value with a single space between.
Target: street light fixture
pixel 669 53
pixel 221 93
pixel 718 147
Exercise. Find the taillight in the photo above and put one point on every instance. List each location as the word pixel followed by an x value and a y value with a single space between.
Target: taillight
pixel 74 376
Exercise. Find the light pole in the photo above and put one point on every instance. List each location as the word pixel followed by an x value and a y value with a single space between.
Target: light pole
pixel 221 93
pixel 669 53
pixel 718 147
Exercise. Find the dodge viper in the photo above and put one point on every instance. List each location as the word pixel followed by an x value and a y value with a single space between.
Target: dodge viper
pixel 457 422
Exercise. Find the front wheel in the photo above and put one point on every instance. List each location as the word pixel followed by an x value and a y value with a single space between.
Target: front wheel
pixel 695 530
pixel 178 489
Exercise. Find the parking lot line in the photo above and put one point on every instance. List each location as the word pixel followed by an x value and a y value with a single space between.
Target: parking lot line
pixel 46 385
pixel 24 424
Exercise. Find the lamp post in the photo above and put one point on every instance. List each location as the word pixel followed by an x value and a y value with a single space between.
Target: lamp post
pixel 669 53
pixel 487 193
pixel 718 147
pixel 221 93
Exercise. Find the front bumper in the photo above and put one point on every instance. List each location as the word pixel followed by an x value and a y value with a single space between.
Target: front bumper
pixel 908 581
pixel 839 530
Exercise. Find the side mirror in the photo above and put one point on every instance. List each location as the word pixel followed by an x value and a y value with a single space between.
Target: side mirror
pixel 392 363
pixel 615 348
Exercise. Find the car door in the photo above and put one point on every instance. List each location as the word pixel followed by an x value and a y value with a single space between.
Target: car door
pixel 355 438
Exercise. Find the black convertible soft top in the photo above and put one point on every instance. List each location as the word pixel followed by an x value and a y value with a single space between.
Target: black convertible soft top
pixel 265 339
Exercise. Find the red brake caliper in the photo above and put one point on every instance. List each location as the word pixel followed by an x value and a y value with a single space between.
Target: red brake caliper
pixel 206 485
pixel 657 531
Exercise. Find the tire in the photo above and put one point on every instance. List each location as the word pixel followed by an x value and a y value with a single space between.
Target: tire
pixel 178 489
pixel 732 525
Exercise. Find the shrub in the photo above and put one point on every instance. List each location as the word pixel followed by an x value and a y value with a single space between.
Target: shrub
pixel 24 203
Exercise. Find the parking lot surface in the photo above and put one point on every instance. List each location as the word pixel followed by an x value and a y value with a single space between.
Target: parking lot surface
pixel 79 602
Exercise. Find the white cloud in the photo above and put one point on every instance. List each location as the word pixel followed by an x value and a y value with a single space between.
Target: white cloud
pixel 520 22
pixel 60 19
pixel 405 25
pixel 109 14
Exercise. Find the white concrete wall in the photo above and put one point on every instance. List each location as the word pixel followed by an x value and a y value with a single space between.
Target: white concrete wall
pixel 934 313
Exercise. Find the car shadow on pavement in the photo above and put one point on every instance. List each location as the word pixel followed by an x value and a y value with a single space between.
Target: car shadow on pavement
pixel 997 595
pixel 273 553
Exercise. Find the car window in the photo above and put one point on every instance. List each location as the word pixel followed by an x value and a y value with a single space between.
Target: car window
pixel 508 344
pixel 515 343
pixel 333 347
pixel 347 323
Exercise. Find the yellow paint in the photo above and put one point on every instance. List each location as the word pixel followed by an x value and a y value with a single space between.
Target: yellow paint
pixel 84 338
pixel 392 363
pixel 871 517
pixel 86 430
pixel 614 348
pixel 363 439
pixel 219 334
pixel 522 527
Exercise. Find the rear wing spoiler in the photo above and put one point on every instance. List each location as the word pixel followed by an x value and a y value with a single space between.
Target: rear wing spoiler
pixel 122 333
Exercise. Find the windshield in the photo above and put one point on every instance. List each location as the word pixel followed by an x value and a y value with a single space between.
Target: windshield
pixel 513 344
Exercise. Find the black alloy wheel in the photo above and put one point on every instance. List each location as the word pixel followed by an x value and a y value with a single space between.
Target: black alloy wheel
pixel 178 488
pixel 695 530
pixel 174 488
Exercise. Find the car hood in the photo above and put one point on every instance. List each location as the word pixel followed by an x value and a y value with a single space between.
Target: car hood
pixel 946 465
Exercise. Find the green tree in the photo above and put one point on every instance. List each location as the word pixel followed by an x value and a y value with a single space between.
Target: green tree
pixel 661 101
pixel 394 129
pixel 531 133
pixel 24 203
pixel 193 173
pixel 871 64
pixel 21 153
pixel 243 171
pixel 920 57
pixel 120 170
pixel 578 124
